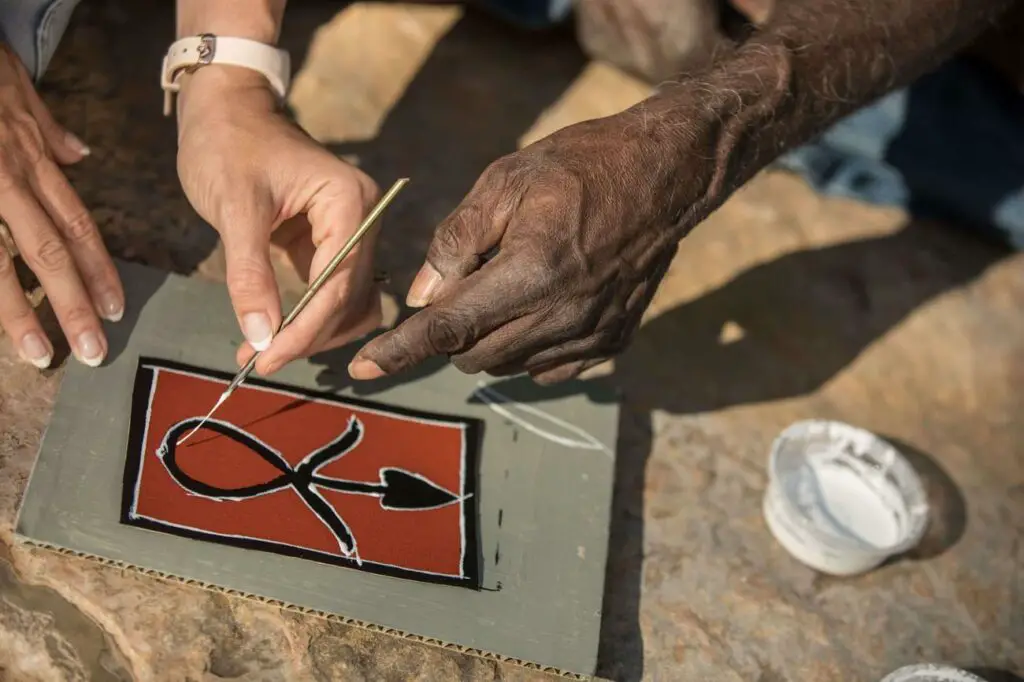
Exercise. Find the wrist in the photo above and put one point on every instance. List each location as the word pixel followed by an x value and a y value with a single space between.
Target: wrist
pixel 720 126
pixel 258 20
pixel 220 91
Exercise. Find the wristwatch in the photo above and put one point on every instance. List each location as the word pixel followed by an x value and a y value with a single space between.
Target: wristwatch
pixel 190 54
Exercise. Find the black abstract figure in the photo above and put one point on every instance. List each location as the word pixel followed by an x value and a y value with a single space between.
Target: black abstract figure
pixel 398 489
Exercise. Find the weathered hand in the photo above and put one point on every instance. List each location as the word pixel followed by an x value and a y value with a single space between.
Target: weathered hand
pixel 51 229
pixel 585 222
pixel 258 178
pixel 580 239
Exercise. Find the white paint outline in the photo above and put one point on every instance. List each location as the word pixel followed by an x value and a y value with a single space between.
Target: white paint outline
pixel 462 507
pixel 351 420
pixel 162 450
pixel 145 439
pixel 494 400
pixel 461 498
pixel 161 522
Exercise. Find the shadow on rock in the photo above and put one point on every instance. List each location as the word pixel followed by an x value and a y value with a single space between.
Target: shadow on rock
pixel 801 319
pixel 947 509
pixel 478 92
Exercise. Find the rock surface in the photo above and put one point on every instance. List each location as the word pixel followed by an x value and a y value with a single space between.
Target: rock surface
pixel 782 306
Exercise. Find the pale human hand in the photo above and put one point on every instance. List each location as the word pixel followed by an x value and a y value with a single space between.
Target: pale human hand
pixel 257 178
pixel 50 227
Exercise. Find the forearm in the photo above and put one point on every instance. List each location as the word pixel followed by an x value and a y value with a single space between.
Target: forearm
pixel 813 63
pixel 258 20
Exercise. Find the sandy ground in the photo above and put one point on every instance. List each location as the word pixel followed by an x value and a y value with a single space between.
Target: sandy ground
pixel 782 306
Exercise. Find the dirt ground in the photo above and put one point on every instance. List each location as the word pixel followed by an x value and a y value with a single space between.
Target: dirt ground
pixel 782 306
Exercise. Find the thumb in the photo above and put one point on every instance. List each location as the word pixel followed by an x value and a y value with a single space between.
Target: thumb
pixel 251 283
pixel 462 242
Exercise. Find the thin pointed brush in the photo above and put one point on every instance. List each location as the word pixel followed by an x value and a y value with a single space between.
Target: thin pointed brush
pixel 314 287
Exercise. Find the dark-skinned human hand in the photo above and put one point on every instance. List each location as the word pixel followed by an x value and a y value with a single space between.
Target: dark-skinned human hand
pixel 581 240
pixel 583 224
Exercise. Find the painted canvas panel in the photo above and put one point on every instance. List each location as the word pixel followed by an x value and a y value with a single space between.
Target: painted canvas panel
pixel 309 475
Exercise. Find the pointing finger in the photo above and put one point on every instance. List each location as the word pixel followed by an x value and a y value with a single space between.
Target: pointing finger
pixel 451 325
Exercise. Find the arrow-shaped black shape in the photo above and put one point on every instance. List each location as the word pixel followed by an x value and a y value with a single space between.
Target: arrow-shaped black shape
pixel 398 490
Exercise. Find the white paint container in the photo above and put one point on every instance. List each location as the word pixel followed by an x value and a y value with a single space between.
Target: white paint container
pixel 840 499
pixel 930 672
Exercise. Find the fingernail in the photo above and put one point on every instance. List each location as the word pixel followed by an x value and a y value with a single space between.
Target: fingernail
pixel 365 369
pixel 35 350
pixel 423 287
pixel 76 144
pixel 111 307
pixel 256 327
pixel 90 351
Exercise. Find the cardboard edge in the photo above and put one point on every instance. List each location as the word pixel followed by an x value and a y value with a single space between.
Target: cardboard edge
pixel 294 608
pixel 33 474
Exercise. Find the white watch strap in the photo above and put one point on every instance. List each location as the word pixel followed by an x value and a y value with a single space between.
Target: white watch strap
pixel 194 52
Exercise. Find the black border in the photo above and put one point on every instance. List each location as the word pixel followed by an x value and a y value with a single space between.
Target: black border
pixel 471 562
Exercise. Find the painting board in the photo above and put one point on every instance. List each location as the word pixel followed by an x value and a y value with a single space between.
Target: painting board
pixel 542 495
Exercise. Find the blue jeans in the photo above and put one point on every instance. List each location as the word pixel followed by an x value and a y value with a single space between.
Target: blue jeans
pixel 529 13
pixel 949 147
pixel 33 29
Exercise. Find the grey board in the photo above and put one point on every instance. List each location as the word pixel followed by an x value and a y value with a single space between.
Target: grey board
pixel 544 507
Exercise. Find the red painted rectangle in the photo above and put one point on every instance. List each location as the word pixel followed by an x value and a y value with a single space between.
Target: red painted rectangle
pixel 309 475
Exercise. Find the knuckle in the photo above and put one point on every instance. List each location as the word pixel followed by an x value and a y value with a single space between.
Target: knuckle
pixel 51 256
pixel 580 324
pixel 369 191
pixel 506 165
pixel 80 227
pixel 539 264
pixel 572 321
pixel 469 363
pixel 28 137
pixel 10 176
pixel 6 262
pixel 77 317
pixel 448 237
pixel 12 166
pixel 247 278
pixel 19 317
pixel 448 333
pixel 500 174
pixel 609 342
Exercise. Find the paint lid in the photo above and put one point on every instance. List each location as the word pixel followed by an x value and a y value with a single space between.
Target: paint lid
pixel 930 672
pixel 840 499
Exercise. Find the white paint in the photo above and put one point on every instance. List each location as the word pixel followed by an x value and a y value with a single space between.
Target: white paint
pixel 846 504
pixel 220 401
pixel 840 499
pixel 507 408
pixel 931 672
pixel 354 554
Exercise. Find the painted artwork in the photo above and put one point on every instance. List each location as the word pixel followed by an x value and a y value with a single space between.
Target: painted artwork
pixel 303 474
